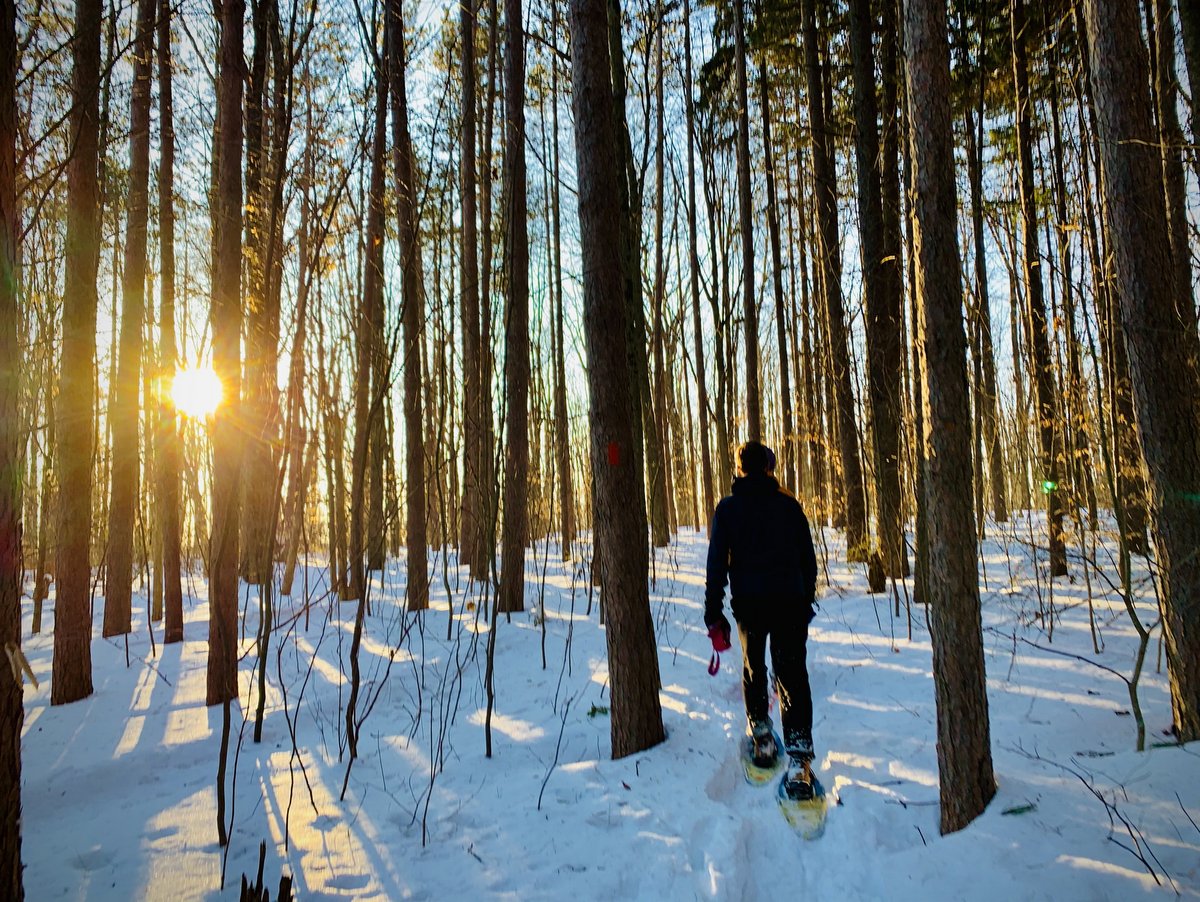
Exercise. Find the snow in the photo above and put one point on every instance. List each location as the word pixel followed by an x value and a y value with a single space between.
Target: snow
pixel 119 798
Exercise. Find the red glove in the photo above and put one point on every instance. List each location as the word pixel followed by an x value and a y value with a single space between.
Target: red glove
pixel 718 633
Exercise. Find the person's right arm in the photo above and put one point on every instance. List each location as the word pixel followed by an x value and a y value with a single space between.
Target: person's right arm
pixel 717 569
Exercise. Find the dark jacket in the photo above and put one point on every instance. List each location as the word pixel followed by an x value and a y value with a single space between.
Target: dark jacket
pixel 761 540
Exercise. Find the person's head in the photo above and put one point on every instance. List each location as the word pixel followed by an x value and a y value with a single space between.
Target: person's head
pixel 753 458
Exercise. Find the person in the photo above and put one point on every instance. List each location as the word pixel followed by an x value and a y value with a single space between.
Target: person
pixel 761 543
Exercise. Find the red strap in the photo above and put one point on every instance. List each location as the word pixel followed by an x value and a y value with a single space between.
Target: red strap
pixel 714 664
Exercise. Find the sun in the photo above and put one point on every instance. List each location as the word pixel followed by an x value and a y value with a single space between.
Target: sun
pixel 196 392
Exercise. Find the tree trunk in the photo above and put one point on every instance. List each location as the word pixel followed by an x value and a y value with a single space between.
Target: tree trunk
pixel 472 513
pixel 620 514
pixel 882 299
pixel 830 254
pixel 702 409
pixel 168 428
pixel 1037 334
pixel 124 398
pixel 226 318
pixel 11 705
pixel 787 453
pixel 1163 365
pixel 746 227
pixel 367 405
pixel 516 326
pixel 412 313
pixel 562 428
pixel 72 668
pixel 960 684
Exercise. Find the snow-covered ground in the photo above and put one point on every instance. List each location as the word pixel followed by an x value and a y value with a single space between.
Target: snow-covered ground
pixel 119 789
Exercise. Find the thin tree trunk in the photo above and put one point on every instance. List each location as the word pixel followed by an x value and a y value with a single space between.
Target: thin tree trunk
pixel 960 685
pixel 472 495
pixel 746 227
pixel 124 398
pixel 830 254
pixel 516 326
pixel 226 316
pixel 883 310
pixel 1038 334
pixel 412 312
pixel 168 427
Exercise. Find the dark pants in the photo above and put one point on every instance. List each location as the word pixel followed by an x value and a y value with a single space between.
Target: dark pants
pixel 788 633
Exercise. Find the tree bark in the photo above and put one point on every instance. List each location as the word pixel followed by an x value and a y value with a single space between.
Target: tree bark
pixel 72 668
pixel 516 327
pixel 472 511
pixel 882 300
pixel 412 311
pixel 1163 365
pixel 746 227
pixel 367 405
pixel 124 398
pixel 830 255
pixel 168 428
pixel 1038 334
pixel 226 318
pixel 11 573
pixel 960 683
pixel 702 408
pixel 620 514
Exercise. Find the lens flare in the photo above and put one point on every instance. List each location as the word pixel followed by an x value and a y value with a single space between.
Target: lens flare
pixel 196 392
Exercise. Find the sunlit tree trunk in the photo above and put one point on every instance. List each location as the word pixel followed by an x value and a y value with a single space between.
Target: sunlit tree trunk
pixel 830 256
pixel 960 683
pixel 1163 365
pixel 124 394
pixel 11 706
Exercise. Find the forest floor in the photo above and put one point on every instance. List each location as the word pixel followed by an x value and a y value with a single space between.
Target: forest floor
pixel 119 798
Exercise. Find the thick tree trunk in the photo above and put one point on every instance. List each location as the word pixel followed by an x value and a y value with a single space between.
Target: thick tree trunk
pixel 620 514
pixel 883 313
pixel 960 683
pixel 412 312
pixel 1163 365
pixel 124 398
pixel 516 325
pixel 72 670
pixel 1038 334
pixel 226 317
pixel 11 705
pixel 830 254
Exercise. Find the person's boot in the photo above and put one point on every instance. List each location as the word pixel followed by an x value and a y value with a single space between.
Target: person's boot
pixel 765 749
pixel 798 781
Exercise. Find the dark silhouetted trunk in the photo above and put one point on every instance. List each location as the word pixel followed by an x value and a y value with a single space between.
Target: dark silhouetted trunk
pixel 619 513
